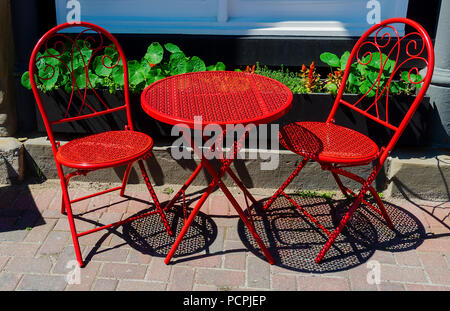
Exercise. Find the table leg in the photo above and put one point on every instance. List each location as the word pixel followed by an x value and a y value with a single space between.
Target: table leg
pixel 185 186
pixel 194 175
pixel 188 223
pixel 215 182
pixel 241 185
pixel 194 212
pixel 249 225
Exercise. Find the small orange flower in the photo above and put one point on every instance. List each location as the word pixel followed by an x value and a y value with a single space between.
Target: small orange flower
pixel 310 74
pixel 252 70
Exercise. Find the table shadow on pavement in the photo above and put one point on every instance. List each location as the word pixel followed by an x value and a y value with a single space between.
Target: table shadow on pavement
pixel 149 236
pixel 294 241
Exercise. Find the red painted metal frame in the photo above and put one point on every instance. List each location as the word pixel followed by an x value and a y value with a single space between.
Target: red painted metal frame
pixel 217 176
pixel 91 33
pixel 419 44
pixel 229 91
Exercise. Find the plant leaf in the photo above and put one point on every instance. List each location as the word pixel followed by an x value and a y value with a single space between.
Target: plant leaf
pixel 364 88
pixel 220 66
pixel 150 76
pixel 49 76
pixel 155 53
pixel 80 79
pixel 416 78
pixel 390 64
pixel 136 73
pixel 172 48
pixel 177 63
pixel 49 58
pixel 372 76
pixel 353 79
pixel 101 68
pixel 377 62
pixel 405 76
pixel 112 53
pixel 395 87
pixel 117 75
pixel 196 64
pixel 81 55
pixel 332 88
pixel 25 80
pixel 159 75
pixel 344 59
pixel 330 59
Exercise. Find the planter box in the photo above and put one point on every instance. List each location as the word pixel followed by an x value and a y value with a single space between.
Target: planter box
pixel 317 106
pixel 305 107
pixel 55 103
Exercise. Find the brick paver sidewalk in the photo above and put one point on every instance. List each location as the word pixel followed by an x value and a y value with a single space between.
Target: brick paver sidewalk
pixel 36 251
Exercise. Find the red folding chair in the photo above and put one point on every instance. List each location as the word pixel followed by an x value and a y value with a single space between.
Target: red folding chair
pixel 61 51
pixel 336 147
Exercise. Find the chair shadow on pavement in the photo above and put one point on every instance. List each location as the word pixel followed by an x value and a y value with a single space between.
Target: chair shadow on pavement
pixel 18 213
pixel 294 241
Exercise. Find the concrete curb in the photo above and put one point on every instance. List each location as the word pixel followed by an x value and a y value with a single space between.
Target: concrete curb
pixel 423 174
pixel 11 161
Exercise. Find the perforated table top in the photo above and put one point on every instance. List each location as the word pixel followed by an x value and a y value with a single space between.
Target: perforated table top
pixel 219 97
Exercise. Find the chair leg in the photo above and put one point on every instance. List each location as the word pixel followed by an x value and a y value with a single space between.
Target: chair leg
pixel 125 179
pixel 339 183
pixel 348 214
pixel 73 231
pixel 63 205
pixel 286 183
pixel 68 209
pixel 375 195
pixel 382 208
pixel 154 197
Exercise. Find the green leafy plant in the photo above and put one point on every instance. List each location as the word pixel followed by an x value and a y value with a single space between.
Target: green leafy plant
pixel 283 75
pixel 106 70
pixel 168 190
pixel 367 196
pixel 314 194
pixel 333 81
pixel 365 75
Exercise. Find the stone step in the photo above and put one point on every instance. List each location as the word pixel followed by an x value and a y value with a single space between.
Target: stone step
pixel 424 174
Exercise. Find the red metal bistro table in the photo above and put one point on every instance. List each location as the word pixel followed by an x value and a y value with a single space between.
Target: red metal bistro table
pixel 221 98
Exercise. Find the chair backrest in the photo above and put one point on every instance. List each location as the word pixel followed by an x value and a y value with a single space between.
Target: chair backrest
pixel 388 58
pixel 70 57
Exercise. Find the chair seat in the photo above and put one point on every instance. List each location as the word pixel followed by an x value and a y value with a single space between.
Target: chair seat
pixel 327 142
pixel 107 149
